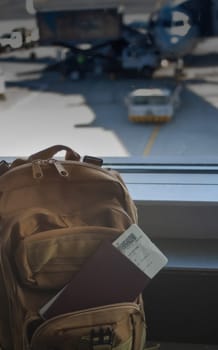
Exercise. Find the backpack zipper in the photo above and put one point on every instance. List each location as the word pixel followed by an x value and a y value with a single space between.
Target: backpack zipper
pixel 37 170
pixel 60 168
pixel 38 164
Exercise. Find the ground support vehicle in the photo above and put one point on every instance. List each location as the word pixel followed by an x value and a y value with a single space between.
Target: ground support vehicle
pixel 153 104
pixel 142 60
pixel 10 41
pixel 30 37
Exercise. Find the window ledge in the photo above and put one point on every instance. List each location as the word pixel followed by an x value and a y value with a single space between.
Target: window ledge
pixel 189 255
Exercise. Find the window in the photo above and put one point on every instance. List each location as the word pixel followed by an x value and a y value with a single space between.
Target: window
pixel 66 80
pixel 150 100
pixel 74 80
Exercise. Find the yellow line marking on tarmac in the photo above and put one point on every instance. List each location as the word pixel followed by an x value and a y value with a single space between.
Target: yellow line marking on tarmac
pixel 151 140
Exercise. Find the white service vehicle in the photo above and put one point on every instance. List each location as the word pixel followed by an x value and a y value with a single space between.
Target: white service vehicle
pixel 153 104
pixel 11 41
pixel 30 37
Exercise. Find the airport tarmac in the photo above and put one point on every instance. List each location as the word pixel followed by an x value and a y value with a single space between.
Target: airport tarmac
pixel 42 108
pixel 90 115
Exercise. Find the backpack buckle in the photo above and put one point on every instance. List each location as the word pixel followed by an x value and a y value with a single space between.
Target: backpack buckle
pixel 102 339
pixel 93 160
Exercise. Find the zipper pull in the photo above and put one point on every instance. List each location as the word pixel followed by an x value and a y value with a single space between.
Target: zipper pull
pixel 60 168
pixel 37 170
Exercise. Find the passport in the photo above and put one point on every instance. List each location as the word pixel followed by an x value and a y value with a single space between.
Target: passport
pixel 107 277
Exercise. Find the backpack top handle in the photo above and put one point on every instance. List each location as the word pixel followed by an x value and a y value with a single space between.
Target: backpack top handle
pixel 50 152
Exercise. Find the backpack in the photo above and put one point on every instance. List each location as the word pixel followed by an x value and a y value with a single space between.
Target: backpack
pixel 54 215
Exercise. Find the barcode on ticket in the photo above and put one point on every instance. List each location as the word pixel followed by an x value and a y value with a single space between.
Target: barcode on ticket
pixel 127 242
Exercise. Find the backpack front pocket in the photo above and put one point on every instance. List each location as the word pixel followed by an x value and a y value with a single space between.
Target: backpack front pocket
pixel 49 248
pixel 113 325
pixel 49 259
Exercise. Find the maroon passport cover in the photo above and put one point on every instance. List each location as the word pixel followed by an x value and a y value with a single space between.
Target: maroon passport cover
pixel 107 277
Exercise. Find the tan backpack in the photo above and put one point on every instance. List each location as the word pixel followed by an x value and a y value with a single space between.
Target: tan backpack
pixel 54 215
